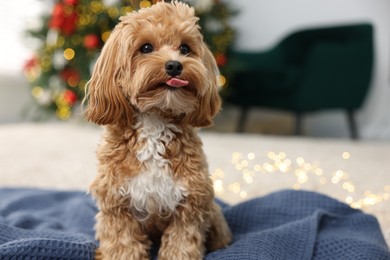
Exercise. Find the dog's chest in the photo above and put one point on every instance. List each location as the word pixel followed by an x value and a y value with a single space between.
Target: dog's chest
pixel 153 190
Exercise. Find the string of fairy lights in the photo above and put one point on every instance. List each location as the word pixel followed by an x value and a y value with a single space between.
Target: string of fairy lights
pixel 302 174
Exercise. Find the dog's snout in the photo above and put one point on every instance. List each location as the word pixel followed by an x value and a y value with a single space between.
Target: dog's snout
pixel 173 68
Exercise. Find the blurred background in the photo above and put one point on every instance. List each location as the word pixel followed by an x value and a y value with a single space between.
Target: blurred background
pixel 314 68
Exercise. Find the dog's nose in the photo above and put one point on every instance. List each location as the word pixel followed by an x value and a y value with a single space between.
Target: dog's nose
pixel 173 68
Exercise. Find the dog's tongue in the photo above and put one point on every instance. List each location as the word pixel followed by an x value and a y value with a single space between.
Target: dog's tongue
pixel 177 83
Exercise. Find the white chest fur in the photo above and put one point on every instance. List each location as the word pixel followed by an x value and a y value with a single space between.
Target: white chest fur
pixel 153 190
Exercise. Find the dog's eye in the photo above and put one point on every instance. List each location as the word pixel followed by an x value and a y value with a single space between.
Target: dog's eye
pixel 185 49
pixel 146 48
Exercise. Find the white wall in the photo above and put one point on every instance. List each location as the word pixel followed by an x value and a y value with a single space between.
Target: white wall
pixel 15 17
pixel 262 23
pixel 14 51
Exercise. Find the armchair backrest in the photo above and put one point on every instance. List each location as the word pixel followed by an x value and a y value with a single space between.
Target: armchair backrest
pixel 337 66
pixel 296 45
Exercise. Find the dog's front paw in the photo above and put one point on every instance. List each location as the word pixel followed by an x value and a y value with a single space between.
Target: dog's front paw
pixel 219 242
pixel 121 253
pixel 175 252
pixel 219 235
pixel 98 254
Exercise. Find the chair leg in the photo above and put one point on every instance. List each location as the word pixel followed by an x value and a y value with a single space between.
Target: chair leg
pixel 352 125
pixel 242 120
pixel 298 123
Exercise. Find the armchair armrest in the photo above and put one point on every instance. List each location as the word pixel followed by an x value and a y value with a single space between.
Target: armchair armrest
pixel 263 72
pixel 270 60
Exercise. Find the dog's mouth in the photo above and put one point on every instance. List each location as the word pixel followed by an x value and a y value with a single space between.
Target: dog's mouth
pixel 172 95
pixel 175 84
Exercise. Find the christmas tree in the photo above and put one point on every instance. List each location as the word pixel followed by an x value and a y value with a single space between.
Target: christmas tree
pixel 73 33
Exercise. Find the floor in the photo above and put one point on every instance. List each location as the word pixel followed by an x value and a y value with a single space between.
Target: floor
pixel 260 121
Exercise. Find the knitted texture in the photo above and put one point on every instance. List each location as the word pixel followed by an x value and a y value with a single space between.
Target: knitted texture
pixel 41 224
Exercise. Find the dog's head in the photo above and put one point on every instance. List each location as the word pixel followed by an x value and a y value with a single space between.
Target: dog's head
pixel 155 59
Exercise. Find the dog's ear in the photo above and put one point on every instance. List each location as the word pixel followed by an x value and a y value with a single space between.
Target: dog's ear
pixel 210 102
pixel 104 101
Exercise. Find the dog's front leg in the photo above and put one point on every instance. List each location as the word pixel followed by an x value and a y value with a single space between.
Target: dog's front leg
pixel 120 236
pixel 185 236
pixel 219 235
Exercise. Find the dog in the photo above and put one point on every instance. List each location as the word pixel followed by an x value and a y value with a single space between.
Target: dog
pixel 153 85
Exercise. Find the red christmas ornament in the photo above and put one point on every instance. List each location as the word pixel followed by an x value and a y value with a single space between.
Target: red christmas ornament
pixel 69 25
pixel 57 17
pixel 64 17
pixel 69 97
pixel 30 64
pixel 70 76
pixel 221 59
pixel 91 41
pixel 71 2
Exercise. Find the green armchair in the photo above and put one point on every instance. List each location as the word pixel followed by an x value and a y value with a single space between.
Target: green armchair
pixel 309 70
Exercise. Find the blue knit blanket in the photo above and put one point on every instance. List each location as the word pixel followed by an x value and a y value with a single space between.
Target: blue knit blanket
pixel 41 224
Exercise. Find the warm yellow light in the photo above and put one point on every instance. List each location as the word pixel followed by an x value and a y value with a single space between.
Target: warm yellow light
pixel 96 7
pixel 113 12
pixel 271 155
pixel 348 186
pixel 144 4
pixel 221 81
pixel 304 172
pixel 335 180
pixel 83 20
pixel 243 194
pixel 63 112
pixel 60 41
pixel 339 174
pixel 105 35
pixel 349 199
pixel 69 54
pixel 346 155
pixel 82 84
pixel 323 180
pixel 257 167
pixel 235 187
pixel 239 167
pixel 126 9
pixel 37 91
pixel 268 167
pixel 296 186
pixel 248 178
pixel 251 156
pixel 218 186
pixel 236 155
pixel 219 173
pixel 319 171
pixel 283 167
pixel 68 10
pixel 46 63
pixel 300 161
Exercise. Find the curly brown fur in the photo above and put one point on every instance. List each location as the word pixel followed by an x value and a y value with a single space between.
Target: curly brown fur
pixel 153 182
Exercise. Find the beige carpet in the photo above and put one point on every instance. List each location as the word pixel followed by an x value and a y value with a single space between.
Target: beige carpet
pixel 62 156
